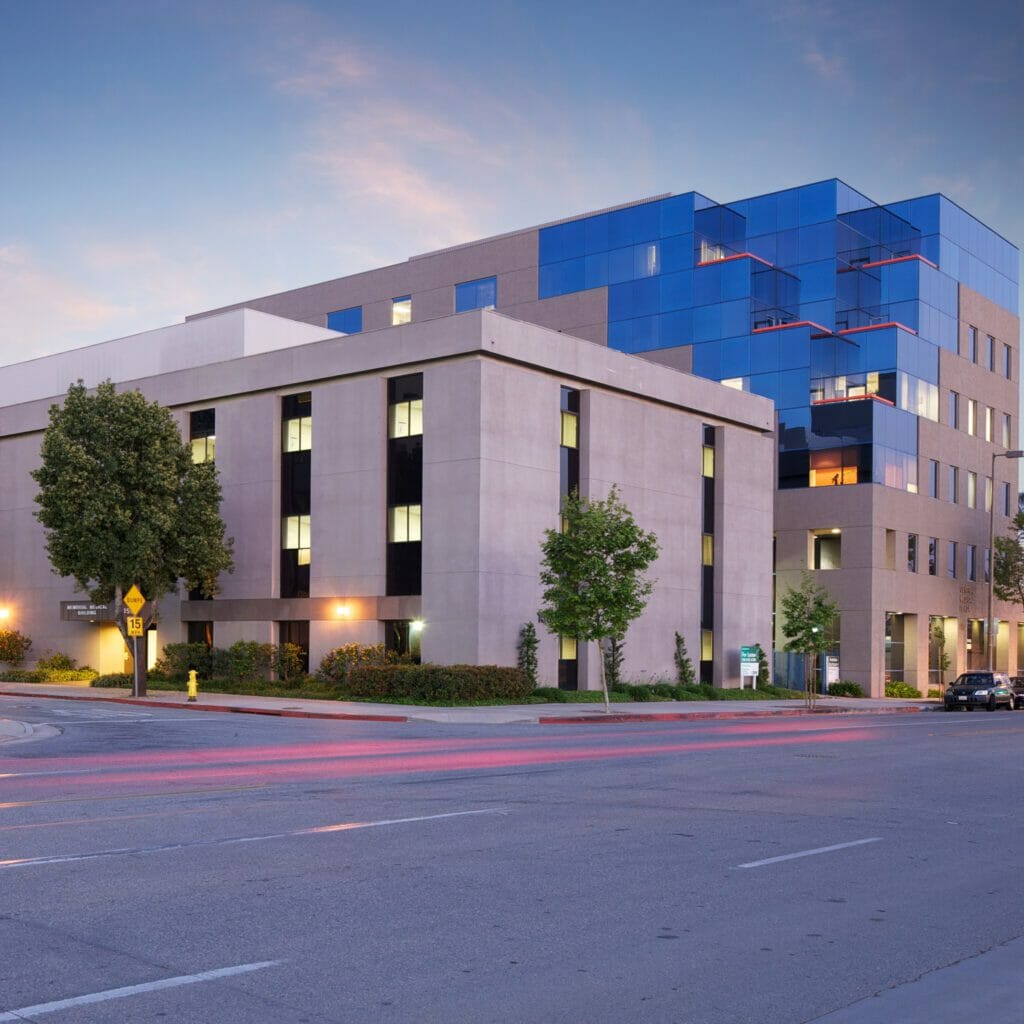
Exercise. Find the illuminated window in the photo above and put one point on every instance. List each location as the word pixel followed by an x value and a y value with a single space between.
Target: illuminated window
pixel 708 549
pixel 1005 431
pixel 202 439
pixel 707 646
pixel 298 434
pixel 828 549
pixel 401 310
pixel 988 494
pixel 295 536
pixel 405 419
pixel 404 524
pixel 989 420
pixel 972 489
pixel 827 469
pixel 734 382
pixel 567 648
pixel 708 461
pixel 972 416
pixel 570 430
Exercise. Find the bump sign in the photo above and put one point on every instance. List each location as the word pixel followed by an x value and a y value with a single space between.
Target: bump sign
pixel 134 599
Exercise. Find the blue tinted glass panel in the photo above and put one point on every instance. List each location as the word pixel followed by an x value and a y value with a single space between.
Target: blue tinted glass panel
pixel 348 321
pixel 479 294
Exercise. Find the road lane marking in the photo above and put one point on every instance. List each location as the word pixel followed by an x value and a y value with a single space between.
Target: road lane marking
pixel 347 826
pixel 29 1012
pixel 809 853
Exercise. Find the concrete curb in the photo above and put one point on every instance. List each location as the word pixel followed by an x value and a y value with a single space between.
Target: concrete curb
pixel 698 716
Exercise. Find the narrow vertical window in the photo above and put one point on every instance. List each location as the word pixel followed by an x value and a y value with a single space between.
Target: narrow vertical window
pixel 1005 431
pixel 951 560
pixel 972 489
pixel 933 556
pixel 972 344
pixel 404 552
pixel 933 478
pixel 1007 362
pixel 708 576
pixel 202 434
pixel 988 494
pixel 990 352
pixel 972 556
pixel 954 484
pixel 972 416
pixel 912 552
pixel 954 410
pixel 296 491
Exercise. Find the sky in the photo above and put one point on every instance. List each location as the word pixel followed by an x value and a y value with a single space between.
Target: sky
pixel 163 157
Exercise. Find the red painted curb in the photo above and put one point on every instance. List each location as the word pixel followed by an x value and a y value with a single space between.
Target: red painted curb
pixel 696 716
pixel 283 713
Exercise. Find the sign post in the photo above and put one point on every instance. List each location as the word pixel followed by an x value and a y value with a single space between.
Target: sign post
pixel 134 627
pixel 749 666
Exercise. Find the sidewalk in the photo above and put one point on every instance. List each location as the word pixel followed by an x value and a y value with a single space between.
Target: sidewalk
pixel 530 714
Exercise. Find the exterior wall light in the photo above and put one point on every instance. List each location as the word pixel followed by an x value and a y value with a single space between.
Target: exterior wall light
pixel 416 626
pixel 342 611
pixel 5 614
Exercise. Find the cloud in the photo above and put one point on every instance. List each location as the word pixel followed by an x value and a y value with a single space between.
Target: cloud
pixel 832 69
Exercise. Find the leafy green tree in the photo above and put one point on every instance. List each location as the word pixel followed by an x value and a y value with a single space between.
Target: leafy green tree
pixel 593 572
pixel 123 503
pixel 808 615
pixel 685 675
pixel 1008 568
pixel 939 639
pixel 613 651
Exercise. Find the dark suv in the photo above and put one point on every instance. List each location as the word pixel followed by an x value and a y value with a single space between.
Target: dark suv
pixel 986 690
pixel 1017 685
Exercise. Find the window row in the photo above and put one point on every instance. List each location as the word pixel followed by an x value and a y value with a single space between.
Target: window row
pixel 479 294
pixel 986 354
pixel 978 420
pixel 965 485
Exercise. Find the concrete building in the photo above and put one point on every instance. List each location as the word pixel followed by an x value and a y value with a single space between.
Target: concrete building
pixel 440 451
pixel 886 338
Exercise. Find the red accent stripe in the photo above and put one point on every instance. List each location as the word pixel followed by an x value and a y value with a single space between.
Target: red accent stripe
pixel 854 398
pixel 796 323
pixel 896 259
pixel 878 327
pixel 738 256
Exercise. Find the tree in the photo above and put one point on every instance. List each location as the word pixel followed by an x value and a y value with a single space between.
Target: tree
pixel 1008 567
pixel 613 652
pixel 123 503
pixel 685 676
pixel 13 647
pixel 526 652
pixel 592 572
pixel 808 615
pixel 939 639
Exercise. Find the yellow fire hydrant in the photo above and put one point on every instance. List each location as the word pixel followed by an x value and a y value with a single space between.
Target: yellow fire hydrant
pixel 193 685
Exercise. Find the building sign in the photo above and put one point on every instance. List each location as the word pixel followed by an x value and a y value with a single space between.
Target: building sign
pixel 749 664
pixel 966 597
pixel 831 669
pixel 87 611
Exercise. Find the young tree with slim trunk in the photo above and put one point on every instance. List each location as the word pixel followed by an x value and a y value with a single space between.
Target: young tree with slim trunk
pixel 593 572
pixel 1008 569
pixel 123 503
pixel 808 614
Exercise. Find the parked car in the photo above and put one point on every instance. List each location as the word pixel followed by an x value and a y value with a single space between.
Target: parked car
pixel 1017 685
pixel 987 690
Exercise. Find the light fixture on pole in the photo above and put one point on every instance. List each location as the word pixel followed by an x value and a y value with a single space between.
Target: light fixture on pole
pixel 991 634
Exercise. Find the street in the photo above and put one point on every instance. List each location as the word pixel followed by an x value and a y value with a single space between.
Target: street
pixel 164 864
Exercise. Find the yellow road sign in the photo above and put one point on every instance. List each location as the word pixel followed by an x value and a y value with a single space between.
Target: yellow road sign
pixel 134 624
pixel 134 599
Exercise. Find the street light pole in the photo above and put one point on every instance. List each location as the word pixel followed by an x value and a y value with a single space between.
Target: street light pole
pixel 991 634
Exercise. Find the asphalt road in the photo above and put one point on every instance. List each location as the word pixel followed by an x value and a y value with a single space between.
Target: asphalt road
pixel 161 865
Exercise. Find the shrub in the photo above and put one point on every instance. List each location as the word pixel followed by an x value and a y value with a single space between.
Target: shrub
pixel 763 675
pixel 67 675
pixel 23 675
pixel 844 688
pixel 685 675
pixel 441 683
pixel 898 689
pixel 336 665
pixel 526 652
pixel 13 646
pixel 287 663
pixel 179 658
pixel 56 660
pixel 244 659
pixel 113 679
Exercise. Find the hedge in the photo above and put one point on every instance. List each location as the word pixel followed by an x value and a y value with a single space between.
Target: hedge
pixel 438 682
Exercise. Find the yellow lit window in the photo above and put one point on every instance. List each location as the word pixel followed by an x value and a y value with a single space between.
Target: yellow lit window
pixel 570 430
pixel 295 532
pixel 404 524
pixel 707 647
pixel 736 383
pixel 298 434
pixel 405 419
pixel 827 470
pixel 708 461
pixel 567 648
pixel 203 448
pixel 708 549
pixel 401 310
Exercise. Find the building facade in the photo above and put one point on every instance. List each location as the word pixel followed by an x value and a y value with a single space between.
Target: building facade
pixel 394 486
pixel 887 337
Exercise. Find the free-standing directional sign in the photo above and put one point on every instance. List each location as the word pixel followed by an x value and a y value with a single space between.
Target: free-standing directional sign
pixel 134 599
